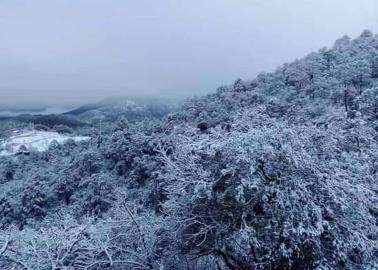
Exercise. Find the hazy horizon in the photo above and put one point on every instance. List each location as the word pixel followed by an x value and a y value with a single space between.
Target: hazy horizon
pixel 68 53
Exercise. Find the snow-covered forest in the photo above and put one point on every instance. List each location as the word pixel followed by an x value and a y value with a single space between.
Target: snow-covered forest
pixel 277 172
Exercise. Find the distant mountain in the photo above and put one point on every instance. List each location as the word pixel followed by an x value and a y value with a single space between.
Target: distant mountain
pixel 133 109
pixel 109 109
pixel 49 120
pixel 42 111
pixel 83 109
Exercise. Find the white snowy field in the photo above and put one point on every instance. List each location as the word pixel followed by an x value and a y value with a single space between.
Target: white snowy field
pixel 34 140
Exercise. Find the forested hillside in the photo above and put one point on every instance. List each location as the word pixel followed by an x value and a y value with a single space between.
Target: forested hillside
pixel 278 172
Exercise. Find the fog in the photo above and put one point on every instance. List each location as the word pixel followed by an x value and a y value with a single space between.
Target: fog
pixel 70 52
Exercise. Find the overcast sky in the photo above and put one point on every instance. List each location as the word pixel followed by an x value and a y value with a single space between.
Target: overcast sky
pixel 63 52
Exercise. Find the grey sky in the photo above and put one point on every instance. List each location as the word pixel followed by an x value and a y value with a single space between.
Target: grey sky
pixel 62 52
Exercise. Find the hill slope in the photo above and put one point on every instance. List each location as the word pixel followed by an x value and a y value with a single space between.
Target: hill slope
pixel 279 172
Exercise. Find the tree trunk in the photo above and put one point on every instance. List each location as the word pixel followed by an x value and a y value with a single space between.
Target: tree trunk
pixel 346 99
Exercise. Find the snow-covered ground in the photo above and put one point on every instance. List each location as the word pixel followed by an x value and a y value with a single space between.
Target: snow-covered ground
pixel 33 140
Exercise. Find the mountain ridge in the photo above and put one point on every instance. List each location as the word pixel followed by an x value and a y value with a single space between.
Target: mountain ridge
pixel 279 172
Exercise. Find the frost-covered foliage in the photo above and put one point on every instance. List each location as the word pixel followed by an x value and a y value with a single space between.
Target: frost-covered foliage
pixel 119 243
pixel 279 172
pixel 275 197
